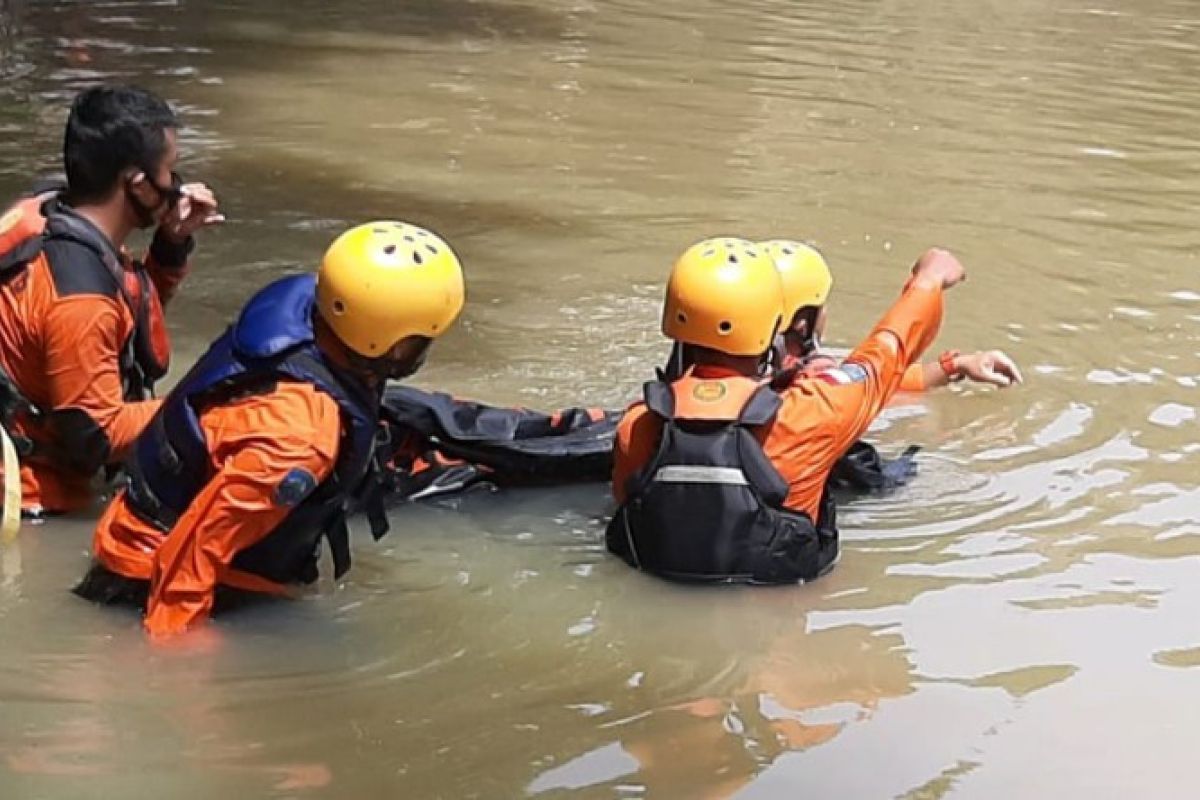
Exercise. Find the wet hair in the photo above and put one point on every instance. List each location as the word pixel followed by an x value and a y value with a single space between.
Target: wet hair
pixel 110 129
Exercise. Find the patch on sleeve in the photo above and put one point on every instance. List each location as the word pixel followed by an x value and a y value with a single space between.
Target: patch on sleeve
pixel 847 373
pixel 295 486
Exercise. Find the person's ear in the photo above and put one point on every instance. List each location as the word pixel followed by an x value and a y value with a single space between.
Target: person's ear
pixel 136 181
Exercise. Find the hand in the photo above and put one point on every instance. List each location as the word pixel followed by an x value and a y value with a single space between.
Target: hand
pixel 991 367
pixel 938 267
pixel 196 209
pixel 818 363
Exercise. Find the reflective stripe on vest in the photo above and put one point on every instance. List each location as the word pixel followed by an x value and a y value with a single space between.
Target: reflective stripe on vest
pixel 681 473
pixel 709 505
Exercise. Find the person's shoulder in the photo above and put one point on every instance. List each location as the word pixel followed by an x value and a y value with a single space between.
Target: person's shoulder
pixel 78 270
pixel 842 374
pixel 307 401
pixel 814 395
pixel 634 411
pixel 301 414
pixel 636 418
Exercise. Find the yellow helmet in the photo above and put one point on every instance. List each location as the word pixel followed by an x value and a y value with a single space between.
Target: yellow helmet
pixel 384 281
pixel 806 276
pixel 724 294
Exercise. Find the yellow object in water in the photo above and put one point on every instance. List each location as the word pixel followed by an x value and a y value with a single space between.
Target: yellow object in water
pixel 10 518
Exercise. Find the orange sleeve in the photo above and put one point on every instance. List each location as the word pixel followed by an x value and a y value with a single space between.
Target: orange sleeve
pixel 636 443
pixel 897 341
pixel 255 444
pixel 821 417
pixel 914 378
pixel 83 337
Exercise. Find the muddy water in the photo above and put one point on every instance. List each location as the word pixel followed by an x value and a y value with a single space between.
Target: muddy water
pixel 1020 622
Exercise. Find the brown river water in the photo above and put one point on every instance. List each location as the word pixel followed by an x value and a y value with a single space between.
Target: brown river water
pixel 1022 621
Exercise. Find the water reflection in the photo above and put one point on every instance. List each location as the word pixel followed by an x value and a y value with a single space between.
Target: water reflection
pixel 1001 627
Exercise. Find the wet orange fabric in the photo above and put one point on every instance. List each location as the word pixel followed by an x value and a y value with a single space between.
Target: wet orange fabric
pixel 22 221
pixel 817 420
pixel 698 396
pixel 254 443
pixel 63 352
pixel 914 379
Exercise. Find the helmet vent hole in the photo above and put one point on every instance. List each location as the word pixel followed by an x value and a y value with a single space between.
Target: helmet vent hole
pixel 682 317
pixel 733 258
pixel 431 249
pixel 725 326
pixel 339 307
pixel 787 251
pixel 408 238
pixel 379 230
pixel 390 249
pixel 417 256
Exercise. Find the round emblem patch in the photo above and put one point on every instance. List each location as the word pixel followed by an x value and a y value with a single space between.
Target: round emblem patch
pixel 294 487
pixel 709 391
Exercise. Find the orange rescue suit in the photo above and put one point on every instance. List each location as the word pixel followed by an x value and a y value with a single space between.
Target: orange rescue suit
pixel 913 380
pixel 255 442
pixel 65 327
pixel 821 416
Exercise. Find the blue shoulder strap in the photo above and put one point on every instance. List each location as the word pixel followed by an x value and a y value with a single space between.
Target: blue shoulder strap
pixel 276 319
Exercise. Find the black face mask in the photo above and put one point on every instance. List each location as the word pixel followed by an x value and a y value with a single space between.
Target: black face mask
pixel 401 369
pixel 387 368
pixel 147 215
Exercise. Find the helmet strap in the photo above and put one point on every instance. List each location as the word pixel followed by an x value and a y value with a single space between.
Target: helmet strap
pixel 807 341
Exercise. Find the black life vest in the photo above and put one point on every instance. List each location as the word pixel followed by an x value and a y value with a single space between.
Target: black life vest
pixel 273 339
pixel 27 229
pixel 34 222
pixel 708 506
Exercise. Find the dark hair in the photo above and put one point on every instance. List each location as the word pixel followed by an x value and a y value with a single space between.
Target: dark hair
pixel 808 315
pixel 110 129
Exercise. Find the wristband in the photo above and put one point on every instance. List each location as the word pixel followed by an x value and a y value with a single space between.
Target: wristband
pixel 946 362
pixel 170 254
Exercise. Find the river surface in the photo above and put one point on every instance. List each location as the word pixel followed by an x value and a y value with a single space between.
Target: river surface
pixel 1020 622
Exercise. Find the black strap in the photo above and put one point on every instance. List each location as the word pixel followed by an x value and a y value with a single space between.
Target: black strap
pixel 660 398
pixel 371 501
pixel 676 364
pixel 144 502
pixel 338 534
pixel 761 408
pixel 15 260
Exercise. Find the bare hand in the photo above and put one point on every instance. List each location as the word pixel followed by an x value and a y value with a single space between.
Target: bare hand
pixel 196 209
pixel 940 268
pixel 991 367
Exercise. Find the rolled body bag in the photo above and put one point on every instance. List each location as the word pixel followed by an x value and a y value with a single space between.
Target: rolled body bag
pixel 513 446
pixel 708 507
